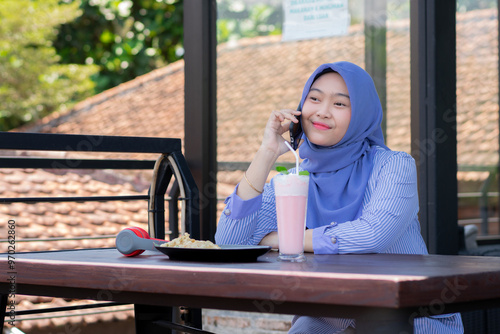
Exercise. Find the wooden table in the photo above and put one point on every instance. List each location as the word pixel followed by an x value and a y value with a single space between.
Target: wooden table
pixel 383 292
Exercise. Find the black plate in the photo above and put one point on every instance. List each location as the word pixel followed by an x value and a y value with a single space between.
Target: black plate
pixel 227 253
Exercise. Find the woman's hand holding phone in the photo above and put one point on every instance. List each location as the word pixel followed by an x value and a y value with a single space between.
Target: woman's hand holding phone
pixel 272 146
pixel 279 122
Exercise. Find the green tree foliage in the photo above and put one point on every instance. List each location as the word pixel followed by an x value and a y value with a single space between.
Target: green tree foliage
pixel 124 38
pixel 32 81
pixel 238 19
pixel 468 5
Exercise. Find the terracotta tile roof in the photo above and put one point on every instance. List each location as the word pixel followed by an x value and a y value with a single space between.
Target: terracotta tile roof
pixel 45 221
pixel 251 83
pixel 56 220
pixel 477 88
pixel 255 76
pixel 60 320
pixel 42 221
pixel 151 105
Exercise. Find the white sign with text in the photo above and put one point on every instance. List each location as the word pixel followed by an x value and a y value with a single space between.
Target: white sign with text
pixel 308 19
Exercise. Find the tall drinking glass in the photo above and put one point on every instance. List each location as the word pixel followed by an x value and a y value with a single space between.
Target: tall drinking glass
pixel 291 205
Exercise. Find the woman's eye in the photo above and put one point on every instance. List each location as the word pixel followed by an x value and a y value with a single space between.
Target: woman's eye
pixel 314 98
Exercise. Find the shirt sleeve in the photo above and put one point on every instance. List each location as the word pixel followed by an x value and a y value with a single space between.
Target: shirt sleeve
pixel 388 211
pixel 236 208
pixel 324 243
pixel 246 222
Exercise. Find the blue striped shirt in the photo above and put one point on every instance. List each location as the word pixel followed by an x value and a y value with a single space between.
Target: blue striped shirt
pixel 388 224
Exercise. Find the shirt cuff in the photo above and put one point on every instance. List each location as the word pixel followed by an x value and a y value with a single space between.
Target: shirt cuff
pixel 324 243
pixel 238 208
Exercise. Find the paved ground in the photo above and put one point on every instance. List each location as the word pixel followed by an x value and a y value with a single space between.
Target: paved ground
pixel 232 322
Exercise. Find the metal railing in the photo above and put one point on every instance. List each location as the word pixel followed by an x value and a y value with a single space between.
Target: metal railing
pixel 483 196
pixel 170 166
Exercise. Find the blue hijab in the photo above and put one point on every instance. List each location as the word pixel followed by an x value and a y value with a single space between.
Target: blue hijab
pixel 339 173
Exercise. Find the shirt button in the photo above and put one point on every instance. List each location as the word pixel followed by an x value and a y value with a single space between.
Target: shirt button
pixel 334 240
pixel 333 223
pixel 227 212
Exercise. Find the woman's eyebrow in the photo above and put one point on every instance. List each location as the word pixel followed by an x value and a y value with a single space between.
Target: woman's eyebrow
pixel 334 94
pixel 342 94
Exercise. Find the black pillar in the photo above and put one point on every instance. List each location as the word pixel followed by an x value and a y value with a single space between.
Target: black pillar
pixel 433 119
pixel 200 106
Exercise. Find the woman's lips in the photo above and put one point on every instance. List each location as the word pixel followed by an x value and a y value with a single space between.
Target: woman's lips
pixel 320 126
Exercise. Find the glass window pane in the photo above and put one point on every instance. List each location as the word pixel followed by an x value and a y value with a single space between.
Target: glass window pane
pixel 477 115
pixel 258 72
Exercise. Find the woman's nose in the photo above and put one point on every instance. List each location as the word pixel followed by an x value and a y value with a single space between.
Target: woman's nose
pixel 323 111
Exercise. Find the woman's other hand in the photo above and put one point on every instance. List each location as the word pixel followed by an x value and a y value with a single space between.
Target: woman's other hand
pixel 270 240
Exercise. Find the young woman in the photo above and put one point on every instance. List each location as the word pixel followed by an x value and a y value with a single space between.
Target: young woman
pixel 362 196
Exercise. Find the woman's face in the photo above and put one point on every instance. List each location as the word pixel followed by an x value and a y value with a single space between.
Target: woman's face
pixel 326 112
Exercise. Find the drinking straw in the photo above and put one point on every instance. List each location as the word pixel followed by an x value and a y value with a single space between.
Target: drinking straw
pixel 296 158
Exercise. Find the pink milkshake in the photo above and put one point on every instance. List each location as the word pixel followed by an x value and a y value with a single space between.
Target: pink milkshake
pixel 291 203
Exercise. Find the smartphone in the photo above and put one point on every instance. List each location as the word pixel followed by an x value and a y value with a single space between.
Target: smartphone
pixel 295 132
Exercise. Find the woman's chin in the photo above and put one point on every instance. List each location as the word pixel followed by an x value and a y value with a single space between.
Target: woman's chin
pixel 321 142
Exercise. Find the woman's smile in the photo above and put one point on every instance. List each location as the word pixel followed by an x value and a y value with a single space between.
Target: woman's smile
pixel 321 126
